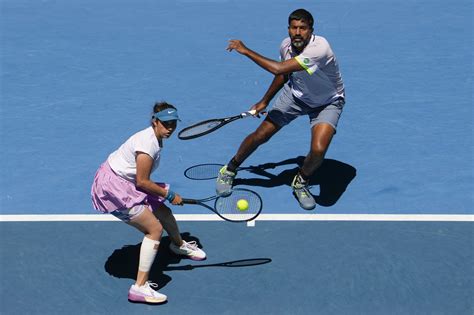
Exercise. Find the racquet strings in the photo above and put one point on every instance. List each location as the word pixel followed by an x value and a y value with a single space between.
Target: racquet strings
pixel 203 171
pixel 227 206
pixel 199 128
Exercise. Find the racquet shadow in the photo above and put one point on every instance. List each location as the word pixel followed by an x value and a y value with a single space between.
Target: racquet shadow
pixel 333 178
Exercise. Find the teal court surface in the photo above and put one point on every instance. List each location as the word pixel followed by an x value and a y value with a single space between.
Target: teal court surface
pixel 393 229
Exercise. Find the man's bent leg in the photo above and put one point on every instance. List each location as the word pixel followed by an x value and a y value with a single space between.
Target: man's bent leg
pixel 261 135
pixel 321 136
pixel 227 173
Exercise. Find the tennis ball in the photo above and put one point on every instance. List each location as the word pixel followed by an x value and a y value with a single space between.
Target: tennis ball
pixel 242 205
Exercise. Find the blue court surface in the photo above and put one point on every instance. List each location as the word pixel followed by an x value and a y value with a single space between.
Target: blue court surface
pixel 393 229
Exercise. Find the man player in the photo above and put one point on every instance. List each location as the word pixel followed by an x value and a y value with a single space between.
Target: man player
pixel 311 84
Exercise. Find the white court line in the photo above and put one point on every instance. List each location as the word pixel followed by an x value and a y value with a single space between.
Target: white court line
pixel 262 217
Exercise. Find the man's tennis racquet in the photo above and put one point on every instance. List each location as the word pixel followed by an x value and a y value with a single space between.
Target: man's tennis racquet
pixel 204 127
pixel 204 171
pixel 210 170
pixel 226 207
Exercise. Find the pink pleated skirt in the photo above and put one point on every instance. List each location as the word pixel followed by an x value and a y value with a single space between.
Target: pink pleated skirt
pixel 111 192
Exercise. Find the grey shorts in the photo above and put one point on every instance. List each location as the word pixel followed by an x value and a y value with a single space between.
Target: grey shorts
pixel 287 108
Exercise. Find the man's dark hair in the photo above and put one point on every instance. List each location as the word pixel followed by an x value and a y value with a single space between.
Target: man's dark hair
pixel 301 15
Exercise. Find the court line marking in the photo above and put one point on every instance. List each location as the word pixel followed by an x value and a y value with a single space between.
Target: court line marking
pixel 262 217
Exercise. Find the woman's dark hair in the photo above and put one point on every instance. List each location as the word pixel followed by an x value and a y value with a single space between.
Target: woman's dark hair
pixel 159 106
pixel 301 15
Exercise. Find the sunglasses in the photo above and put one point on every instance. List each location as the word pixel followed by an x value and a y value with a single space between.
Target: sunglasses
pixel 169 123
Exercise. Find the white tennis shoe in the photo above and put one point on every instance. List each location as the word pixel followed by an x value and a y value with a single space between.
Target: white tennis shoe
pixel 189 249
pixel 146 293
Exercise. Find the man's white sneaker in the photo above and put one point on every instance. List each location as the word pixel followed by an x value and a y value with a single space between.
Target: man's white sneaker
pixel 146 293
pixel 189 249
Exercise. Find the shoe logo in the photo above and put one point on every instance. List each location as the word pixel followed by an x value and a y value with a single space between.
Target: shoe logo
pixel 170 111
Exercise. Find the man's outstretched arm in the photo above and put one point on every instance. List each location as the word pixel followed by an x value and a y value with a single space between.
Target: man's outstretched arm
pixel 277 68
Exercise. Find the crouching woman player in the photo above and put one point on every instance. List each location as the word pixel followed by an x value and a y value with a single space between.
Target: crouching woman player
pixel 123 188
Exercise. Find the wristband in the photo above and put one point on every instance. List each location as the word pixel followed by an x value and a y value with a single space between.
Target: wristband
pixel 170 196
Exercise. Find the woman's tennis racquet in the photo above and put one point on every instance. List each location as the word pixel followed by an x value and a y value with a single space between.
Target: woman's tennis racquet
pixel 204 127
pixel 226 207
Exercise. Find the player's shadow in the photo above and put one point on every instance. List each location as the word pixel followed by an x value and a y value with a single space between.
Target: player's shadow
pixel 123 263
pixel 333 178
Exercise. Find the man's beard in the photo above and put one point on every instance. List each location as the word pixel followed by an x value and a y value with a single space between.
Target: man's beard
pixel 300 44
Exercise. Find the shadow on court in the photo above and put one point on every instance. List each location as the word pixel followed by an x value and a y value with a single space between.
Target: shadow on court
pixel 123 263
pixel 333 178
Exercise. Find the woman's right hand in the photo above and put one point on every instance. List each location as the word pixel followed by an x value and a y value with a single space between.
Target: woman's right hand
pixel 177 201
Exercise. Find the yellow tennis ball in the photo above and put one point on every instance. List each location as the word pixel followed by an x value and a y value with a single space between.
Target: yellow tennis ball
pixel 242 205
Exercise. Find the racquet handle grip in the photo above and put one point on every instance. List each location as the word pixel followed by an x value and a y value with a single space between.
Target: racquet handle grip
pixel 189 201
pixel 249 113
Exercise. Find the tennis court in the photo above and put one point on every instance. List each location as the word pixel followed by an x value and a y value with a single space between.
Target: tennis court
pixel 392 232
